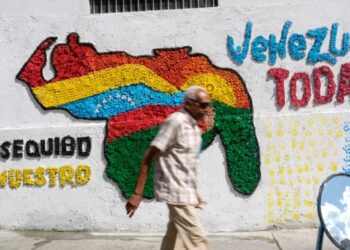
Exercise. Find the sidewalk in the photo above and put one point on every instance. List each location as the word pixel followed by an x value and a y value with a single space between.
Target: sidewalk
pixel 300 239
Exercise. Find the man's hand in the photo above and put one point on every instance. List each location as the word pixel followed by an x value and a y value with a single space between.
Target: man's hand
pixel 135 200
pixel 201 203
pixel 132 204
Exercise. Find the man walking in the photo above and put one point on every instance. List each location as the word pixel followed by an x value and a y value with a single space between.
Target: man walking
pixel 176 148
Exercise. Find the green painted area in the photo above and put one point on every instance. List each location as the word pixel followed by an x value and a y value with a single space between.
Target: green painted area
pixel 124 157
pixel 236 129
pixel 237 133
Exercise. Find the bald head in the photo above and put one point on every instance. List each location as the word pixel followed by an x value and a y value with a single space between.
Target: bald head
pixel 191 92
pixel 196 101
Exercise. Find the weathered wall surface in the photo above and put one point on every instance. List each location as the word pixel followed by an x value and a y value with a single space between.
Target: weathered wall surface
pixel 301 130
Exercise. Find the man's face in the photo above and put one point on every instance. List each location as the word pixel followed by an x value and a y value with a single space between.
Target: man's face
pixel 199 106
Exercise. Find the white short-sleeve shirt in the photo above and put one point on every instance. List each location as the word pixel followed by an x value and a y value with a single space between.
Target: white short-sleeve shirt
pixel 179 141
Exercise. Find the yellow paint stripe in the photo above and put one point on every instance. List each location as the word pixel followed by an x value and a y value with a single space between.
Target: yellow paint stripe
pixel 65 91
pixel 218 87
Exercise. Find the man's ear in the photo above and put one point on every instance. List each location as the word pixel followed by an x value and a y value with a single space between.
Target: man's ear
pixel 187 103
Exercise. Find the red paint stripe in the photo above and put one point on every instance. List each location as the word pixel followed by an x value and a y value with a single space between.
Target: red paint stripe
pixel 137 120
pixel 31 73
pixel 140 119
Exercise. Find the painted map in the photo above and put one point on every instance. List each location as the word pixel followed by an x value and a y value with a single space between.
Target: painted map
pixel 134 94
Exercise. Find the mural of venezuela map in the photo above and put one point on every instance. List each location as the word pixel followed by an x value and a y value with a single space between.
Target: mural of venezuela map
pixel 134 94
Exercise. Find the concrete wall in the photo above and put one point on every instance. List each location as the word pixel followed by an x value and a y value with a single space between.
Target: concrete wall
pixel 298 146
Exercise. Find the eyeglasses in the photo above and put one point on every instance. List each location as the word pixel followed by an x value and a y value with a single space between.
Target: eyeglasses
pixel 202 105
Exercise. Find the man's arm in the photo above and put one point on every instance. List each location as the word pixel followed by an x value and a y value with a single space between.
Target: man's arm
pixel 135 200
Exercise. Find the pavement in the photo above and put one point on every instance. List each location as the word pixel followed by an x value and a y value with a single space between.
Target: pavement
pixel 300 239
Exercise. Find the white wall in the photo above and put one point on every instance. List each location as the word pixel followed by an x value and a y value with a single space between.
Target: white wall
pixel 299 148
pixel 44 8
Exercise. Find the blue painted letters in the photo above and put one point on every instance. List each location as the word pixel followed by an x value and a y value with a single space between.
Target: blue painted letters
pixel 297 45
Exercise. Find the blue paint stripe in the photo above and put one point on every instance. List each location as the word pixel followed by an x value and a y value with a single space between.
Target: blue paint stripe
pixel 117 101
